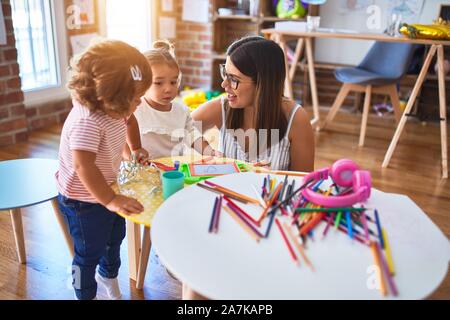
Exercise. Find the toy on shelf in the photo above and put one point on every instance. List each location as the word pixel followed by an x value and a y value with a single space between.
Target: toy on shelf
pixel 290 9
pixel 194 98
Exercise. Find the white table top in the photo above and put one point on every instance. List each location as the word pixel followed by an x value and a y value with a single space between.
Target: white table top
pixel 231 265
pixel 27 182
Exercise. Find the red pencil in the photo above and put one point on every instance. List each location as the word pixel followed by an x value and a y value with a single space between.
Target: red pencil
pixel 234 205
pixel 286 241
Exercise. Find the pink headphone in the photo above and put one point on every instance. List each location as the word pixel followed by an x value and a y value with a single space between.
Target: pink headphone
pixel 345 173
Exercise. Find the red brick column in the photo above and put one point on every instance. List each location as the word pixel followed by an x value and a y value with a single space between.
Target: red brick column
pixel 13 122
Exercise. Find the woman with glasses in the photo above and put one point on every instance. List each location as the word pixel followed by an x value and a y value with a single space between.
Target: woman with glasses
pixel 257 124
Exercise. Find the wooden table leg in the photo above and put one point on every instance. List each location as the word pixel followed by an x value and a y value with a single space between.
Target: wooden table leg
pixel 365 115
pixel 409 106
pixel 288 91
pixel 143 259
pixel 312 79
pixel 134 248
pixel 16 218
pixel 442 110
pixel 64 227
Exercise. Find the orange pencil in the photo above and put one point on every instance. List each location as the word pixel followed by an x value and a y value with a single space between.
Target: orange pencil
pixel 298 246
pixel 275 197
pixel 312 223
pixel 373 248
pixel 234 193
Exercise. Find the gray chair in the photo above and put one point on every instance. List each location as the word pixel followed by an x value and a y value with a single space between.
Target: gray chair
pixel 383 66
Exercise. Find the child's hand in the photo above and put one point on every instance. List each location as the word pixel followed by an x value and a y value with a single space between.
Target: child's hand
pixel 124 205
pixel 209 151
pixel 140 155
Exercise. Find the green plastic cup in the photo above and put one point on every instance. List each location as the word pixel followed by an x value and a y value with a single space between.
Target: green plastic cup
pixel 172 181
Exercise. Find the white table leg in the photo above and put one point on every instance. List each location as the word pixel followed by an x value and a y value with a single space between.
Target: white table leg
pixel 16 218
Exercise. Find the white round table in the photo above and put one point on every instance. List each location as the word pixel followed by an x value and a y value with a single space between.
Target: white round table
pixel 231 265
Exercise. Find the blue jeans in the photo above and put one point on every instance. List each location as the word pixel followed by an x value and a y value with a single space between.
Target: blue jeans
pixel 97 234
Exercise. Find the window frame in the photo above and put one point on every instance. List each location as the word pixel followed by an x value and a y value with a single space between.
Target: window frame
pixel 59 92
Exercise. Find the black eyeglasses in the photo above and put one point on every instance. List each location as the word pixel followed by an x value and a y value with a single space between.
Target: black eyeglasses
pixel 234 83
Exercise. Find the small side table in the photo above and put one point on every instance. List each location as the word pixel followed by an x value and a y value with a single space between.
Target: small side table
pixel 24 183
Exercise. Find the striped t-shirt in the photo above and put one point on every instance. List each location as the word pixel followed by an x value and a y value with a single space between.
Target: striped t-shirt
pixel 95 132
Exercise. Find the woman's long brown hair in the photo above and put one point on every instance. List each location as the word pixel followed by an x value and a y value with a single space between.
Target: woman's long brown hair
pixel 263 61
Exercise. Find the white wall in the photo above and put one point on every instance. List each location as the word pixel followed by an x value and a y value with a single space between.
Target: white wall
pixel 352 51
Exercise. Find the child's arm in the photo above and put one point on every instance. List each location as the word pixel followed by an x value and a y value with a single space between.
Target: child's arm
pixel 93 180
pixel 134 141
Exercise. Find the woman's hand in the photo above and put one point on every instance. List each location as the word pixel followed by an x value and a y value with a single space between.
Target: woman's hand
pixel 125 205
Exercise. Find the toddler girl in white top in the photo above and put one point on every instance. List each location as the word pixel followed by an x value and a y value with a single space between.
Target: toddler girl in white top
pixel 165 126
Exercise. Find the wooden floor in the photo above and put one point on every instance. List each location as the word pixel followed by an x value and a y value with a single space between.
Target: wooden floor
pixel 415 170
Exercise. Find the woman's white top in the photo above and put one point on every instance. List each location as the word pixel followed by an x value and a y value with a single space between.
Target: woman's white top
pixel 278 155
pixel 166 133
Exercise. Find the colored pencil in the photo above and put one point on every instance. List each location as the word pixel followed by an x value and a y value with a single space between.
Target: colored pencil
pixel 316 219
pixel 329 223
pixel 390 280
pixel 281 173
pixel 356 237
pixel 270 203
pixel 283 188
pixel 349 225
pixel 242 224
pixel 241 211
pixel 378 223
pixel 221 192
pixel 217 215
pixel 390 262
pixel 213 214
pixel 236 194
pixel 364 223
pixel 259 198
pixel 298 246
pixel 286 241
pixel 244 220
pixel 380 270
pixel 269 226
pixel 338 219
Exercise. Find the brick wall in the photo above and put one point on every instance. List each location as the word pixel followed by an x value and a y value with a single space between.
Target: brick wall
pixel 13 123
pixel 193 47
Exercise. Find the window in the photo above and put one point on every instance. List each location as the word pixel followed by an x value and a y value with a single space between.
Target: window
pixel 130 23
pixel 42 53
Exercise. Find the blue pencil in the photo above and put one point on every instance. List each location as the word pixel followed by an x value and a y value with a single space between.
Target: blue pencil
pixel 380 234
pixel 349 225
pixel 217 214
pixel 270 224
pixel 211 223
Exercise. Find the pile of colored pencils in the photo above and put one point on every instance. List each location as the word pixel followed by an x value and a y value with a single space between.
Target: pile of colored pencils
pixel 297 219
